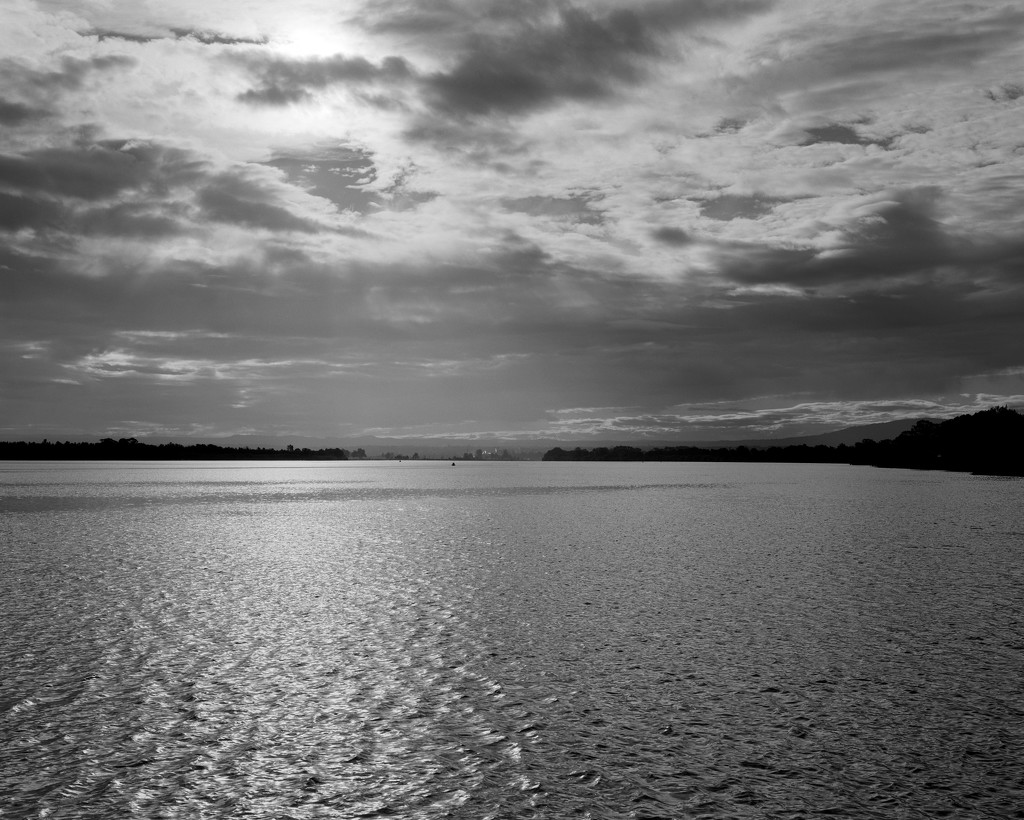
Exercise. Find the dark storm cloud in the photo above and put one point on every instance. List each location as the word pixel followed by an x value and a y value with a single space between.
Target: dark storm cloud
pixel 505 67
pixel 70 76
pixel 210 38
pixel 390 323
pixel 893 244
pixel 126 36
pixel 96 173
pixel 672 236
pixel 502 302
pixel 877 52
pixel 952 45
pixel 231 198
pixel 17 212
pixel 578 56
pixel 76 189
pixel 684 13
pixel 449 20
pixel 153 220
pixel 917 337
pixel 565 331
pixel 831 66
pixel 45 214
pixel 734 206
pixel 562 209
pixel 1007 92
pixel 16 113
pixel 342 175
pixel 730 125
pixel 842 135
pixel 97 170
pixel 484 142
pixel 443 19
pixel 506 60
pixel 283 80
pixel 335 173
pixel 200 36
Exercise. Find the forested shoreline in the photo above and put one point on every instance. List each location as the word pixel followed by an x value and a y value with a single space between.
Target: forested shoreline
pixel 130 449
pixel 989 442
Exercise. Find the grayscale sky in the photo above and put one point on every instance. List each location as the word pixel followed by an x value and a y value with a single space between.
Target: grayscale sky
pixel 658 218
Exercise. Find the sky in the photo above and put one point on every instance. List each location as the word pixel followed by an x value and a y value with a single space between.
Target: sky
pixel 660 219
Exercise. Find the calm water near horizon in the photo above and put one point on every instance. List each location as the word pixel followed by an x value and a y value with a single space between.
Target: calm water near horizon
pixel 509 640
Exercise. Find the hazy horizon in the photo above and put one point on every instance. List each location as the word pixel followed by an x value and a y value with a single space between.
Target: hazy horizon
pixel 582 220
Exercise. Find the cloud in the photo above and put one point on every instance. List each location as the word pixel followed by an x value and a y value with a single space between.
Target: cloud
pixel 70 76
pixel 875 242
pixel 217 38
pixel 505 208
pixel 674 14
pixel 17 212
pixel 1006 92
pixel 565 53
pixel 446 23
pixel 938 42
pixel 106 205
pixel 135 220
pixel 16 113
pixel 96 171
pixel 841 135
pixel 505 63
pixel 349 178
pixel 441 18
pixel 735 206
pixel 561 335
pixel 128 37
pixel 577 56
pixel 109 187
pixel 849 58
pixel 205 37
pixel 719 421
pixel 560 209
pixel 282 81
pixel 231 197
pixel 671 236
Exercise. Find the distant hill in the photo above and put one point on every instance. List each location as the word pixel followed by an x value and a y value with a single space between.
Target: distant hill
pixel 518 448
pixel 534 448
pixel 990 442
pixel 848 435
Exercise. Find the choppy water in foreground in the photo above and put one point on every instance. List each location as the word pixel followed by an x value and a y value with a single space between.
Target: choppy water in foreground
pixel 517 640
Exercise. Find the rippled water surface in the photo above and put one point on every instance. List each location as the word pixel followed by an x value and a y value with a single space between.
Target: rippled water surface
pixel 509 640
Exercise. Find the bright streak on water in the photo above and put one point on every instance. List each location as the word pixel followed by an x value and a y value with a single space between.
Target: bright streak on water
pixel 509 640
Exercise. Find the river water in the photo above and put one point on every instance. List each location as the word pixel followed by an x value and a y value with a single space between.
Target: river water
pixel 509 640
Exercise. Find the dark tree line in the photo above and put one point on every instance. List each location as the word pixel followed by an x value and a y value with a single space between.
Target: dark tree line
pixel 130 449
pixel 796 453
pixel 990 442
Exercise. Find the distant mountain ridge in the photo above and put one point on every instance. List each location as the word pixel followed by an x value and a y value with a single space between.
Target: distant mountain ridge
pixel 848 435
pixel 989 442
pixel 446 448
